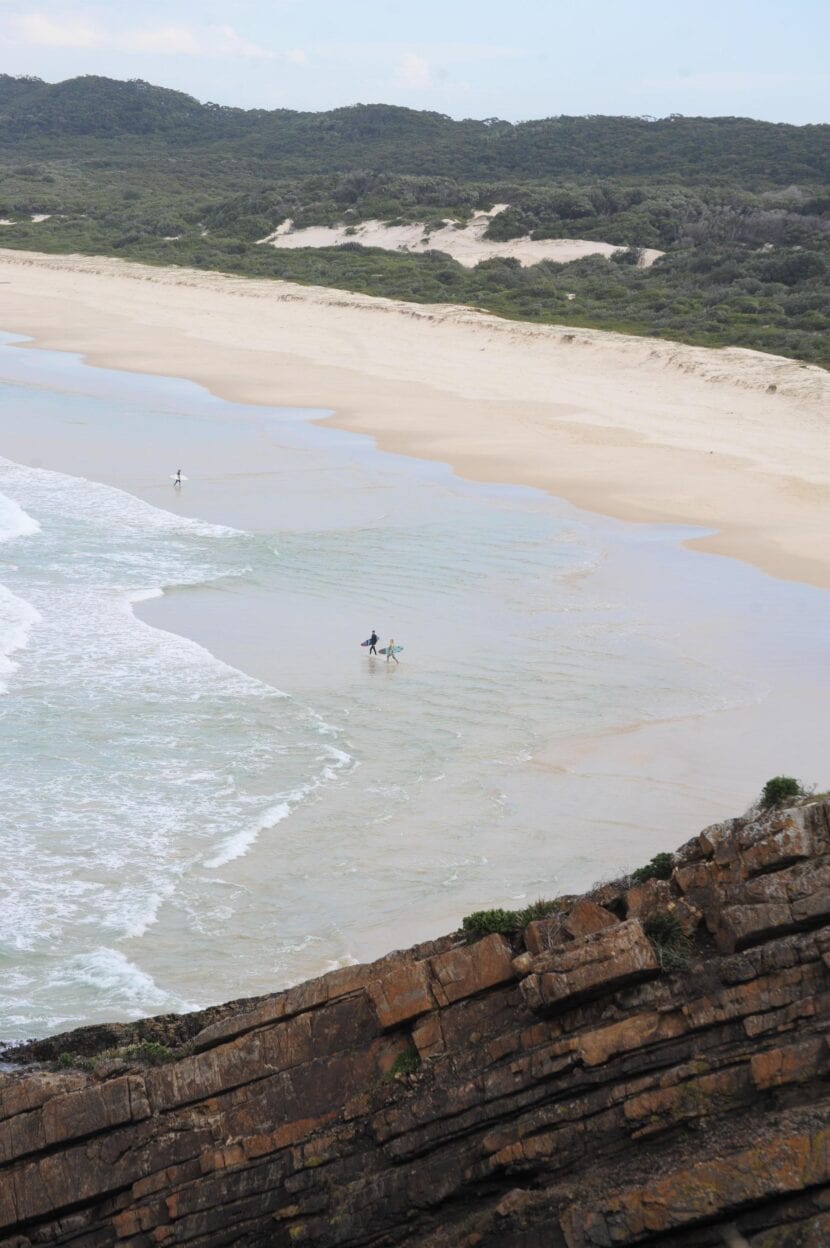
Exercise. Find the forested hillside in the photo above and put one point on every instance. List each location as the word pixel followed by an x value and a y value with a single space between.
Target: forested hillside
pixel 740 207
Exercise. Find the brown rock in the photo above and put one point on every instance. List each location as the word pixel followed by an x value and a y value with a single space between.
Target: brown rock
pixel 543 934
pixel 687 914
pixel 741 926
pixel 609 896
pixel 403 995
pixel 428 1037
pixel 466 971
pixel 794 1064
pixel 586 918
pixel 604 962
pixel 628 1036
pixel 710 838
pixel 793 842
pixel 644 899
pixel 86 1112
pixel 701 1192
pixel 666 1106
pixel 19 1095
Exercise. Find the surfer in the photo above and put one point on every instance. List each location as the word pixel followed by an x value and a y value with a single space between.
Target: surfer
pixel 390 650
pixel 178 478
pixel 373 641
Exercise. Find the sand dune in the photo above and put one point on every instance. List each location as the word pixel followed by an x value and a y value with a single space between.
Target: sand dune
pixel 732 440
pixel 465 243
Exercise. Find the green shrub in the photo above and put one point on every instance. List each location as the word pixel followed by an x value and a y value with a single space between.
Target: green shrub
pixel 660 868
pixel 149 1051
pixel 483 922
pixel 667 940
pixel 508 922
pixel 539 909
pixel 405 1063
pixel 780 789
pixel 72 1061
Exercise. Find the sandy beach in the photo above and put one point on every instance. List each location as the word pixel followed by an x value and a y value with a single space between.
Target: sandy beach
pixel 731 440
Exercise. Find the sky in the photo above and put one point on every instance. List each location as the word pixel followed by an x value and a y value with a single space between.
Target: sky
pixel 466 58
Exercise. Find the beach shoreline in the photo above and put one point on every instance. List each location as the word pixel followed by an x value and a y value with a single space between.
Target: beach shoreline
pixel 731 441
pixel 576 693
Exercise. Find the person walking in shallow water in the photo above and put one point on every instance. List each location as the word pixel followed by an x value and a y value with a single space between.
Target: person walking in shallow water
pixel 390 650
pixel 178 477
pixel 373 641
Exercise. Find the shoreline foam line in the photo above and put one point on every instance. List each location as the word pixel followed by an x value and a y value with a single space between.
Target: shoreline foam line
pixel 643 430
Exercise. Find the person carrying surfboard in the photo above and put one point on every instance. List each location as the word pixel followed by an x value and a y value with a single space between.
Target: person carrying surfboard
pixel 373 641
pixel 390 650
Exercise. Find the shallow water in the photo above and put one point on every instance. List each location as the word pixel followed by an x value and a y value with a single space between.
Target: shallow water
pixel 243 797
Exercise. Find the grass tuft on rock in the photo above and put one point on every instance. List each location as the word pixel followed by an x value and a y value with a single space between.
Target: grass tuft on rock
pixel 145 1053
pixel 670 944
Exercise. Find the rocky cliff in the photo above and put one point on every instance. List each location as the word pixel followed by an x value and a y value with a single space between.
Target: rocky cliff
pixel 646 1065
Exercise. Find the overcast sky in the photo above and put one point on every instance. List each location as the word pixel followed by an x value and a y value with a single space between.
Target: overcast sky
pixel 468 58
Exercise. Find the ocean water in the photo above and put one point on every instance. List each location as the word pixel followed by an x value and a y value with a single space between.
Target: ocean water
pixel 209 790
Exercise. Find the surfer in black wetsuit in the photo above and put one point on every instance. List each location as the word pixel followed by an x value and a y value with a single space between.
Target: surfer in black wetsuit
pixel 373 641
pixel 178 479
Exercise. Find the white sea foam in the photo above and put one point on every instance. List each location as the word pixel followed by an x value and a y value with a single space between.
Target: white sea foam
pixel 17 616
pixel 136 918
pixel 241 842
pixel 17 619
pixel 139 750
pixel 107 502
pixel 14 521
pixel 116 980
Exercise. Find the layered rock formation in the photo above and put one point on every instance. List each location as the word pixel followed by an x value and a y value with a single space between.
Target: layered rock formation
pixel 593 1081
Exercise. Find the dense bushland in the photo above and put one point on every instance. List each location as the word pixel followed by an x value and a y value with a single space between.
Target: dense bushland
pixel 741 208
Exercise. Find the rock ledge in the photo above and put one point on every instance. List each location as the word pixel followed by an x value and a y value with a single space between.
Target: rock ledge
pixel 562 1090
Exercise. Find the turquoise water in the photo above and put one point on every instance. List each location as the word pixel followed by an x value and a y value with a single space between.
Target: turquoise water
pixel 241 797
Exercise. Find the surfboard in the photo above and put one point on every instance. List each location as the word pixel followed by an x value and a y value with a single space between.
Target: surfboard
pixel 173 477
pixel 366 643
pixel 395 650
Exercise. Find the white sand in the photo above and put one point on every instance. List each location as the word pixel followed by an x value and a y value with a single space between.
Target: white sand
pixel 733 440
pixel 465 243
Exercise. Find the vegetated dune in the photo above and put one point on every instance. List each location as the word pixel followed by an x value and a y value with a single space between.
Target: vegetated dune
pixel 464 242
